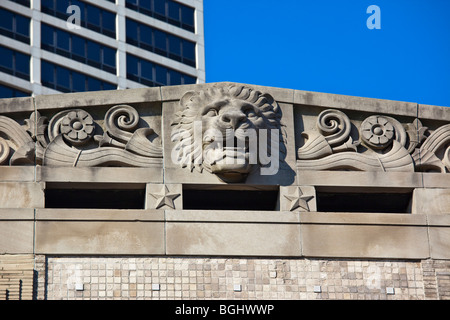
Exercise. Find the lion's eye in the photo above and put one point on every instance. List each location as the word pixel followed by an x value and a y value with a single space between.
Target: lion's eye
pixel 211 112
pixel 250 112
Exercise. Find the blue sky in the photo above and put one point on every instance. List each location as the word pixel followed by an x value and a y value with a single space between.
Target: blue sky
pixel 325 46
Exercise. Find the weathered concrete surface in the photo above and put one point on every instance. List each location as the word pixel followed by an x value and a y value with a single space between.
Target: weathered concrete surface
pixel 99 232
pixel 21 195
pixel 16 231
pixel 364 235
pixel 232 233
pixel 431 201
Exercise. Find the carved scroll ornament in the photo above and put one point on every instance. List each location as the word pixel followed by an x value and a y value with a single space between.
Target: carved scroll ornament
pixel 384 145
pixel 68 140
pixel 16 145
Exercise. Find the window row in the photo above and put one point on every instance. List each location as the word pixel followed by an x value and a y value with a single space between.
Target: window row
pixel 15 63
pixel 8 92
pixel 67 80
pixel 25 3
pixel 160 42
pixel 78 48
pixel 92 17
pixel 153 75
pixel 165 10
pixel 14 26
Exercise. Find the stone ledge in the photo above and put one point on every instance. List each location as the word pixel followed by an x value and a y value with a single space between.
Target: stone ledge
pixel 13 105
pixel 97 98
pixel 433 112
pixel 17 173
pixel 88 215
pixel 16 214
pixel 99 174
pixel 361 179
pixel 229 216
pixel 328 100
pixel 338 218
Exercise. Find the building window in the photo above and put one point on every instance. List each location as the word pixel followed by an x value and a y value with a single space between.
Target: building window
pixel 14 26
pixel 25 3
pixel 160 42
pixel 92 17
pixel 168 11
pixel 67 80
pixel 15 63
pixel 78 48
pixel 8 92
pixel 152 74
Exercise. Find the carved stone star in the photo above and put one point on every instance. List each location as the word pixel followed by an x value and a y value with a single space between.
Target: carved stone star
pixel 164 197
pixel 298 200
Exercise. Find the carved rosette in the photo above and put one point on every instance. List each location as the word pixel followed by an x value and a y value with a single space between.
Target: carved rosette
pixel 377 132
pixel 388 145
pixel 122 143
pixel 77 127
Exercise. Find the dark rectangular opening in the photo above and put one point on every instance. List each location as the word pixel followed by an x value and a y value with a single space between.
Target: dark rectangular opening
pixel 217 199
pixel 95 198
pixel 381 202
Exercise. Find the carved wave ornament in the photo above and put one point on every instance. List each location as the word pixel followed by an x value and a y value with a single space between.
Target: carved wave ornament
pixel 384 145
pixel 68 140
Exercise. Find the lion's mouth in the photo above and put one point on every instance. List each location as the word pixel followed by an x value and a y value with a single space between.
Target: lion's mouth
pixel 219 153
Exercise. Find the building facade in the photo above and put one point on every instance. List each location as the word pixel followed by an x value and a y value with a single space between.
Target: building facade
pixel 139 194
pixel 53 46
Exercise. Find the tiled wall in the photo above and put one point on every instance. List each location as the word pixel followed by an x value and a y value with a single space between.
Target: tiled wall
pixel 234 278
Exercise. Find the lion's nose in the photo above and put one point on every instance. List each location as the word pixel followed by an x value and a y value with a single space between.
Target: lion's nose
pixel 234 119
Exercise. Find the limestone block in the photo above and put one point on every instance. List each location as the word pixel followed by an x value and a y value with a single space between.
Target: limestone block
pixel 99 232
pixel 364 235
pixel 436 180
pixel 360 179
pixel 100 174
pixel 13 173
pixel 439 230
pixel 16 231
pixel 21 195
pixel 97 98
pixel 13 105
pixel 218 233
pixel 433 112
pixel 431 201
pixel 355 103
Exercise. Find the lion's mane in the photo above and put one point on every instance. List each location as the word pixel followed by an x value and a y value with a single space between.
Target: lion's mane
pixel 188 150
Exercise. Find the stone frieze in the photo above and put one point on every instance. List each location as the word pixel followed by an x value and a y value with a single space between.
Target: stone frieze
pixel 225 130
pixel 68 139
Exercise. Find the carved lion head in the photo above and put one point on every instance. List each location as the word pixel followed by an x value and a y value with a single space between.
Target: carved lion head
pixel 215 128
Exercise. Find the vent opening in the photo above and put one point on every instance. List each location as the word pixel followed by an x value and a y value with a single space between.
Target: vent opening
pixel 381 202
pixel 223 199
pixel 87 197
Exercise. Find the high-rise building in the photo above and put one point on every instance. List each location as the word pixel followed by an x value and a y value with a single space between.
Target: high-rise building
pixel 52 46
